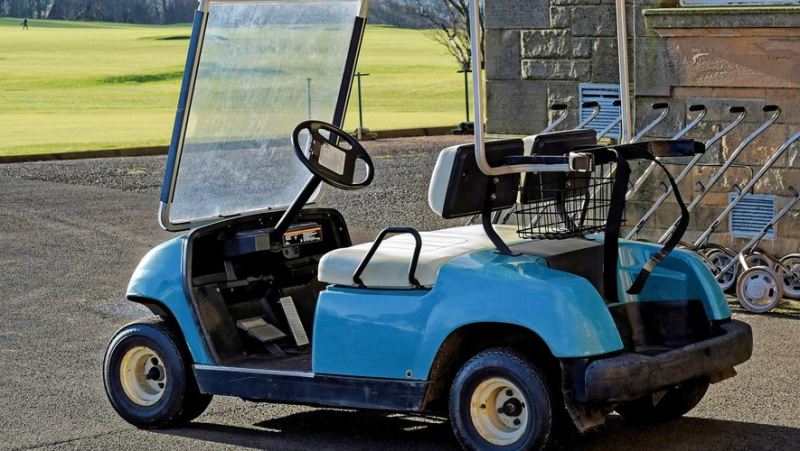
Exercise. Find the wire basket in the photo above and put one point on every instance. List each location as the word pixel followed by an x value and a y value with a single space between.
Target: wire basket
pixel 559 205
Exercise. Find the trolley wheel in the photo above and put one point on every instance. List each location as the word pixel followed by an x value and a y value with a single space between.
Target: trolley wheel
pixel 789 272
pixel 148 377
pixel 716 260
pixel 500 400
pixel 676 402
pixel 759 289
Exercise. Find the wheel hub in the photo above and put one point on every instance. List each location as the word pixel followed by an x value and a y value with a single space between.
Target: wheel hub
pixel 499 411
pixel 142 376
pixel 756 289
pixel 512 407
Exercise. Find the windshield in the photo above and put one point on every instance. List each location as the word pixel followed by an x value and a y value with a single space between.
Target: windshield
pixel 265 66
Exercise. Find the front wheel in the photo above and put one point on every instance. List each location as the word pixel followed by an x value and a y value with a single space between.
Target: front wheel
pixel 499 400
pixel 676 402
pixel 148 379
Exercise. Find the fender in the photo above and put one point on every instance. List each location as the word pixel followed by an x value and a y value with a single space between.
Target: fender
pixel 397 333
pixel 682 275
pixel 159 279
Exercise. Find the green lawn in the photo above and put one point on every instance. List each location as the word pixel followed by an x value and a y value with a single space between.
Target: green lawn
pixel 67 86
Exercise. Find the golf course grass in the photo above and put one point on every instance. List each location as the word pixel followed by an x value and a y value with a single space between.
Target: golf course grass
pixel 72 86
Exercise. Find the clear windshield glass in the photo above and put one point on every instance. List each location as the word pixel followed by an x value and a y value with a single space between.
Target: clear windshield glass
pixel 264 68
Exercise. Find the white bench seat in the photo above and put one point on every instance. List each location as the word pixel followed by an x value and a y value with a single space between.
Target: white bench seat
pixel 389 266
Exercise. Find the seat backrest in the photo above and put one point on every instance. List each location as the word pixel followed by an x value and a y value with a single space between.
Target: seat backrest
pixel 459 188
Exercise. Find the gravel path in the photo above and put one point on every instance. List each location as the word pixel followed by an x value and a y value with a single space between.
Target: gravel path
pixel 398 196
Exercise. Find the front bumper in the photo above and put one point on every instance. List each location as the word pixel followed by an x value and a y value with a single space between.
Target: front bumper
pixel 629 376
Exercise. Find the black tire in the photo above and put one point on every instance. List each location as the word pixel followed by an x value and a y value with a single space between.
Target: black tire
pixel 504 364
pixel 180 401
pixel 676 402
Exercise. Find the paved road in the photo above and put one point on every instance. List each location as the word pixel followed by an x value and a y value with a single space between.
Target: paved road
pixel 67 250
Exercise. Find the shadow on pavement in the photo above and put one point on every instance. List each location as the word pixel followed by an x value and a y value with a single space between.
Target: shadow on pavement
pixel 689 434
pixel 334 429
pixel 787 308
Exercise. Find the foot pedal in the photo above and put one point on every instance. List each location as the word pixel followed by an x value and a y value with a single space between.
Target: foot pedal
pixel 260 330
pixel 298 332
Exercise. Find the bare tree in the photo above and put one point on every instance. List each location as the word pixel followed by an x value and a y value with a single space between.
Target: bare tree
pixel 451 23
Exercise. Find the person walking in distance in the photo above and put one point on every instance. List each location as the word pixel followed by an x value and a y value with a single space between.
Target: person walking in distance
pixel 25 24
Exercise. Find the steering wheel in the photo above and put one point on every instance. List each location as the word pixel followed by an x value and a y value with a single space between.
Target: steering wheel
pixel 332 158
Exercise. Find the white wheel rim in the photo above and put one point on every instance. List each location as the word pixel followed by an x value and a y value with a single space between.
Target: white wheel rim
pixel 790 276
pixel 499 411
pixel 718 260
pixel 142 376
pixel 758 289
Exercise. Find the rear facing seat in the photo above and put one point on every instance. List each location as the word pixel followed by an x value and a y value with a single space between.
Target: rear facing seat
pixel 389 266
pixel 457 189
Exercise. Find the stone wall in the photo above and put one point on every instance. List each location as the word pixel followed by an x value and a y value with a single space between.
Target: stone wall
pixel 539 51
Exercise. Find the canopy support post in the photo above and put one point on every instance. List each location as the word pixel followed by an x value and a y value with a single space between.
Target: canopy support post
pixel 624 81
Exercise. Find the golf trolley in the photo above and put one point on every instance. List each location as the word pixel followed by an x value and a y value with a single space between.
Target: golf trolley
pixel 517 335
pixel 769 279
pixel 761 279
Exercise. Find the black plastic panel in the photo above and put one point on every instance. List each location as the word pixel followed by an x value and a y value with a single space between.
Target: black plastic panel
pixel 467 190
pixel 316 390
pixel 656 326
pixel 557 143
pixel 581 257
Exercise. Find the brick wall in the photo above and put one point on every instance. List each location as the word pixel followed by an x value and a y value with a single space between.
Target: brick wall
pixel 539 51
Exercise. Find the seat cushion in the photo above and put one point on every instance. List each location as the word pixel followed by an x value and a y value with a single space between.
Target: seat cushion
pixel 389 266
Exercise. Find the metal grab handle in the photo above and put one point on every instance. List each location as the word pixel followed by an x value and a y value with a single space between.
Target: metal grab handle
pixel 412 268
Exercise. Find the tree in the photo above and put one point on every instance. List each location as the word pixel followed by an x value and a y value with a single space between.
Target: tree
pixel 451 23
pixel 133 11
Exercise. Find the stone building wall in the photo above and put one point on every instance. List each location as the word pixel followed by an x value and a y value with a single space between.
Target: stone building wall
pixel 538 52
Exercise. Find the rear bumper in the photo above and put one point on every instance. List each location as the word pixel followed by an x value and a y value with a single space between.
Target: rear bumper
pixel 628 376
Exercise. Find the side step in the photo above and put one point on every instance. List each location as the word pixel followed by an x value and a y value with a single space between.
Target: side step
pixel 312 389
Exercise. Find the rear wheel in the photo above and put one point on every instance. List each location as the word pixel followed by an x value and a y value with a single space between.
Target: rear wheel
pixel 789 272
pixel 716 261
pixel 758 259
pixel 148 378
pixel 676 402
pixel 500 400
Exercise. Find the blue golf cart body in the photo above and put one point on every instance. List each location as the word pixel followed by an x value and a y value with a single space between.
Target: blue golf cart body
pixel 265 298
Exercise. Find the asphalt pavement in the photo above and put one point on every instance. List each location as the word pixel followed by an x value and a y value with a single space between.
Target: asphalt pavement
pixel 71 234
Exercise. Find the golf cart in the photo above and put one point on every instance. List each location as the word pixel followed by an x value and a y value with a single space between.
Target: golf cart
pixel 517 333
